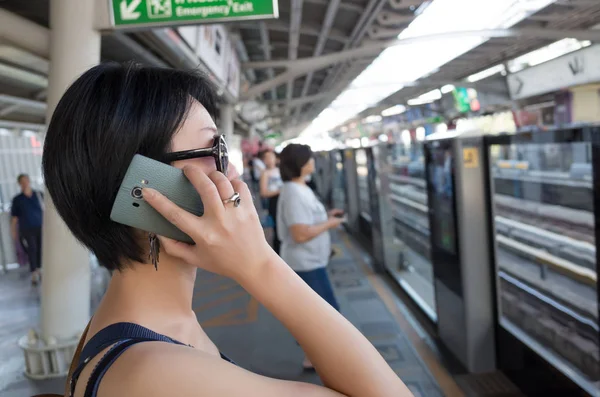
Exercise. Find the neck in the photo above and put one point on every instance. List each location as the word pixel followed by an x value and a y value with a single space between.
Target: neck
pixel 301 180
pixel 28 191
pixel 143 295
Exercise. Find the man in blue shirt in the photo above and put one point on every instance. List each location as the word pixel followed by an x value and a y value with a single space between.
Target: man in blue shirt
pixel 26 224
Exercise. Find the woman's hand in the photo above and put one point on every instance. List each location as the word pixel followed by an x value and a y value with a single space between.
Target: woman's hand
pixel 229 240
pixel 335 212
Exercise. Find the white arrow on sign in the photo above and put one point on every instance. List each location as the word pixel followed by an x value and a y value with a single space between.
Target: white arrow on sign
pixel 128 12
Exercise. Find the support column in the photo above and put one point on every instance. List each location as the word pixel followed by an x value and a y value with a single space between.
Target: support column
pixel 74 47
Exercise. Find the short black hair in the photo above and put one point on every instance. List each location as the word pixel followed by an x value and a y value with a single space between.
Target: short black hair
pixel 291 160
pixel 109 114
pixel 21 176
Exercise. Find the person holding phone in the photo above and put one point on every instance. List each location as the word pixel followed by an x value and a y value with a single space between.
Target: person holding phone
pixel 144 339
pixel 304 224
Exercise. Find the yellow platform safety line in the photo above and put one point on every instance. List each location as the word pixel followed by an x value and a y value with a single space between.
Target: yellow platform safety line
pixel 571 270
pixel 520 165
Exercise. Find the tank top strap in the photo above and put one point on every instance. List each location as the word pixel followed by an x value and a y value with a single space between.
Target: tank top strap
pixel 119 337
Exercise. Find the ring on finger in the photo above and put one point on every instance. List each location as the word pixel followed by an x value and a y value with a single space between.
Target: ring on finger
pixel 235 199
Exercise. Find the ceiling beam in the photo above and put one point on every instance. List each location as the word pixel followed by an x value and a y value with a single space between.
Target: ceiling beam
pixel 330 14
pixel 372 9
pixel 264 37
pixel 373 48
pixel 24 34
pixel 295 21
pixel 297 101
pixel 308 30
pixel 343 6
pixel 576 3
pixel 277 45
pixel 243 54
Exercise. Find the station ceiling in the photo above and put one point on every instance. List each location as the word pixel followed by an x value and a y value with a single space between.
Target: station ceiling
pixel 305 29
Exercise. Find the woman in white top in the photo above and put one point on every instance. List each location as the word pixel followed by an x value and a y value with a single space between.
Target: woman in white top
pixel 303 224
pixel 270 185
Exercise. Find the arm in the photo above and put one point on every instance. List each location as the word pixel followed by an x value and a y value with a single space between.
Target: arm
pixel 13 228
pixel 14 221
pixel 345 360
pixel 264 189
pixel 304 233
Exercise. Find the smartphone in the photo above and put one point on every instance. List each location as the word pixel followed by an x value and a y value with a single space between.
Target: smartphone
pixel 130 208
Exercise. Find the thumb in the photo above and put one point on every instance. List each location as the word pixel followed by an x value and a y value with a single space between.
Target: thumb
pixel 178 249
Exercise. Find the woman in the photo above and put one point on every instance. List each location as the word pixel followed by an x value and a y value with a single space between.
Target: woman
pixel 304 224
pixel 270 184
pixel 108 115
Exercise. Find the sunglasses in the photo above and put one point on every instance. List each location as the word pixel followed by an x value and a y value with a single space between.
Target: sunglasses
pixel 218 151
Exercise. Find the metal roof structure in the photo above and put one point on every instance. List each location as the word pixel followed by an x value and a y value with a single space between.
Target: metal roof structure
pixel 306 30
pixel 562 15
pixel 312 28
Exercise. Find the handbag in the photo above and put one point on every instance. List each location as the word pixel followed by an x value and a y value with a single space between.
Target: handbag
pixel 73 364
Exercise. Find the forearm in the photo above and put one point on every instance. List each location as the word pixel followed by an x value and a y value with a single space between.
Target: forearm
pixel 13 229
pixel 345 360
pixel 312 231
pixel 269 194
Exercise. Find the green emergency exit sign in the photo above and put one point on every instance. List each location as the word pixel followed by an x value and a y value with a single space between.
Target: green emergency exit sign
pixel 174 12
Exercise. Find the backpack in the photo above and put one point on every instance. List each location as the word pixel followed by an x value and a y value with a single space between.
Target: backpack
pixel 74 363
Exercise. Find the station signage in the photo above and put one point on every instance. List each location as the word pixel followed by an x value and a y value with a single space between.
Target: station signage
pixel 132 13
pixel 577 68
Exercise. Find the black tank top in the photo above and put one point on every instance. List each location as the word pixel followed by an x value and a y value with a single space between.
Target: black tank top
pixel 120 336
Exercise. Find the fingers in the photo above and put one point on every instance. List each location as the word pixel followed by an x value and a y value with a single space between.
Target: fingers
pixel 206 188
pixel 232 172
pixel 223 185
pixel 177 216
pixel 242 188
pixel 178 249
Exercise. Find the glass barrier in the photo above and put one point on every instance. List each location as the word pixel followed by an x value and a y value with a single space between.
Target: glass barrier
pixel 543 206
pixel 408 187
pixel 362 172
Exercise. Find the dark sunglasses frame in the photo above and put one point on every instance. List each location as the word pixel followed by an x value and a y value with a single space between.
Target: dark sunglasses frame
pixel 218 151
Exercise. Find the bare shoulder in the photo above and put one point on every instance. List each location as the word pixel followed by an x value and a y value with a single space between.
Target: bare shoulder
pixel 160 369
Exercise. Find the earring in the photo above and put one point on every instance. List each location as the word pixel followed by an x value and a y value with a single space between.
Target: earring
pixel 154 249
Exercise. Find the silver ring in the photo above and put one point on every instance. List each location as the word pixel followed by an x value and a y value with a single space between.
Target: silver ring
pixel 235 199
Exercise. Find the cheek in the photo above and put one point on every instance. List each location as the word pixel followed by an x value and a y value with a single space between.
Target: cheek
pixel 207 164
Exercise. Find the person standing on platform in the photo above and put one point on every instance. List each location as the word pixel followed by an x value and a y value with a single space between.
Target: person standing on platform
pixel 270 185
pixel 258 166
pixel 303 224
pixel 26 224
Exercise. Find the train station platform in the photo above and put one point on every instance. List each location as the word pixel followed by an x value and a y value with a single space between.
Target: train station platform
pixel 250 335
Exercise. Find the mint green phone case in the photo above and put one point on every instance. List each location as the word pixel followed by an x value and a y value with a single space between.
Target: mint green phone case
pixel 170 181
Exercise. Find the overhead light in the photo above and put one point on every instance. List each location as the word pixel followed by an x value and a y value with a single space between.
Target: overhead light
pixel 394 110
pixel 420 134
pixel 484 74
pixel 428 97
pixel 372 119
pixel 447 88
pixel 547 53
